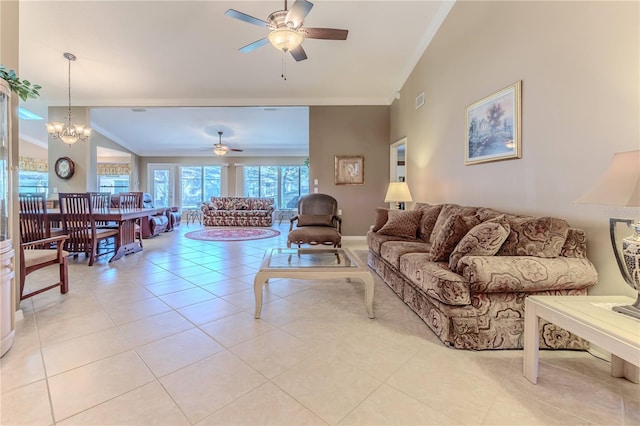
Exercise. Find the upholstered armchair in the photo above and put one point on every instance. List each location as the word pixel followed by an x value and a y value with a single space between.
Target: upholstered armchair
pixel 174 214
pixel 153 225
pixel 317 222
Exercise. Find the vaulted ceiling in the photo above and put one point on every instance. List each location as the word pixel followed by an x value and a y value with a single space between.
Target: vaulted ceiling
pixel 178 59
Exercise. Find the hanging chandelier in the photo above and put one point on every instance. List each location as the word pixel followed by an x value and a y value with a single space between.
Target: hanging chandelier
pixel 67 132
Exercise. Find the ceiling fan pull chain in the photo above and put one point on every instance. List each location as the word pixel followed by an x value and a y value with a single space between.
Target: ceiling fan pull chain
pixel 284 68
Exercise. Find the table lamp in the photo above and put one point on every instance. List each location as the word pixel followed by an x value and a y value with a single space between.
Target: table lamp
pixel 620 186
pixel 398 192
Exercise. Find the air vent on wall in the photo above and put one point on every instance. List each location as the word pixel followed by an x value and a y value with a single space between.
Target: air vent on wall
pixel 419 100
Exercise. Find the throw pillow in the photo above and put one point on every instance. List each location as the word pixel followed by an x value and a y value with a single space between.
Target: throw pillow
pixel 382 215
pixel 451 232
pixel 540 237
pixel 429 216
pixel 484 239
pixel 447 211
pixel 241 204
pixel 315 220
pixel 402 223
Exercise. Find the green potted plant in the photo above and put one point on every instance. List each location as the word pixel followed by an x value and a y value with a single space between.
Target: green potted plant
pixel 23 88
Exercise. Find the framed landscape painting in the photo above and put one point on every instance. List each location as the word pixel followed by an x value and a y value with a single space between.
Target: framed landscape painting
pixel 493 127
pixel 349 170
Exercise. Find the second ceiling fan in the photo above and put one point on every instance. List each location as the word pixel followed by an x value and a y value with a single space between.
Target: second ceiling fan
pixel 221 149
pixel 287 31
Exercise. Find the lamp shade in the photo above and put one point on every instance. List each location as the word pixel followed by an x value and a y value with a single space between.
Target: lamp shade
pixel 620 184
pixel 398 192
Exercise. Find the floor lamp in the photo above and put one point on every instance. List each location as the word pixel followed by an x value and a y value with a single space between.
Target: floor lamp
pixel 398 192
pixel 620 186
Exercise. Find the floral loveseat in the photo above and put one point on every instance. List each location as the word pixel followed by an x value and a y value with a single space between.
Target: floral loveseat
pixel 238 211
pixel 466 271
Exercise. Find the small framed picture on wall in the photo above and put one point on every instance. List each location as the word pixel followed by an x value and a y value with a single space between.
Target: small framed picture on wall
pixel 349 170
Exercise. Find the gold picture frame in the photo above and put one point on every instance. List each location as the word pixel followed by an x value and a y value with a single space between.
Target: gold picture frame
pixel 493 130
pixel 349 170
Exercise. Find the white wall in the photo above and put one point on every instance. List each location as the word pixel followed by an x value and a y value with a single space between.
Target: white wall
pixel 578 62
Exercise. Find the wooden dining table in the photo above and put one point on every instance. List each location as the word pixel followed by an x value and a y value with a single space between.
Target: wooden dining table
pixel 125 218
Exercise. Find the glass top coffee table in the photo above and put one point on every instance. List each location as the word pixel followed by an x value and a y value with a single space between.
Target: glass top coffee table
pixel 312 264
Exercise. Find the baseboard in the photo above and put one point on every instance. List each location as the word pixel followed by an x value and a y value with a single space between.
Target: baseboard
pixel 354 237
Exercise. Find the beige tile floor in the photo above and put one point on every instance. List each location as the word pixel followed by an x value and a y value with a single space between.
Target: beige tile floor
pixel 167 336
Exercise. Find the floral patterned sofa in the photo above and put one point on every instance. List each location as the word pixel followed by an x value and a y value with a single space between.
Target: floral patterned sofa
pixel 238 211
pixel 466 271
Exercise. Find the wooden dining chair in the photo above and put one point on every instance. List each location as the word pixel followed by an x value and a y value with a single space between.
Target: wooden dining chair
pixel 79 224
pixel 38 248
pixel 132 200
pixel 34 206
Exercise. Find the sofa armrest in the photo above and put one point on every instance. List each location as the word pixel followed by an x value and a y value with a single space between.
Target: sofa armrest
pixel 506 274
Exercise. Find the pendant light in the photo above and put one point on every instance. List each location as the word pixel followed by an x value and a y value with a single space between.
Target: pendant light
pixel 67 132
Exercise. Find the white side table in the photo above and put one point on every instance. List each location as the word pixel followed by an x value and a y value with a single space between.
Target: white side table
pixel 591 318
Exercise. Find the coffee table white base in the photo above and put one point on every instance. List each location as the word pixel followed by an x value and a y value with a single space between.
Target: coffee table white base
pixel 359 272
pixel 586 317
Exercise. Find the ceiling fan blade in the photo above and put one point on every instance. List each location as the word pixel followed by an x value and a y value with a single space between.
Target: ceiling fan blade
pixel 299 54
pixel 326 33
pixel 246 18
pixel 234 149
pixel 298 11
pixel 253 46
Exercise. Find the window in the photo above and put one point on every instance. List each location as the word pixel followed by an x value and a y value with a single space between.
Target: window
pixel 199 184
pixel 285 184
pixel 31 181
pixel 113 183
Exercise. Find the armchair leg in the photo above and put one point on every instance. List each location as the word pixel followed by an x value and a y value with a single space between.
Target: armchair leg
pixel 64 276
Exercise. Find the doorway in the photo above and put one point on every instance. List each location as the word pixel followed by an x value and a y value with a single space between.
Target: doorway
pixel 161 178
pixel 397 161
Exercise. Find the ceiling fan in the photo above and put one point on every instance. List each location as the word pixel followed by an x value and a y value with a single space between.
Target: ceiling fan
pixel 221 149
pixel 287 32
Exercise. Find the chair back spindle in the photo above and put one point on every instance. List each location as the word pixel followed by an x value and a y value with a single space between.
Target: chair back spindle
pixel 130 200
pixel 33 217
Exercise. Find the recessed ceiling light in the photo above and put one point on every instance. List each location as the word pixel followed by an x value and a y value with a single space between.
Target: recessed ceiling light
pixel 138 109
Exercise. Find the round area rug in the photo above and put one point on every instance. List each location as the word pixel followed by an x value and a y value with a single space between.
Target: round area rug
pixel 232 234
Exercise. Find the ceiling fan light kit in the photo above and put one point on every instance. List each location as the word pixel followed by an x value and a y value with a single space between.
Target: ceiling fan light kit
pixel 285 39
pixel 67 132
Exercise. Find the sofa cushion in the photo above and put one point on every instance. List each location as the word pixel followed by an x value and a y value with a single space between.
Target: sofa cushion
pixel 541 237
pixel 451 232
pixel 435 279
pixel 315 220
pixel 428 221
pixel 484 239
pixel 382 215
pixel 391 251
pixel 375 241
pixel 402 223
pixel 446 211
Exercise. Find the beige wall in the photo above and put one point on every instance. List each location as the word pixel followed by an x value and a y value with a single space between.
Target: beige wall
pixel 579 66
pixel 351 130
pixel 27 149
